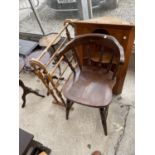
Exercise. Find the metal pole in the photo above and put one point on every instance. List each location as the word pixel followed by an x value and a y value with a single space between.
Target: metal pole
pixel 37 17
pixel 83 9
pixel 90 8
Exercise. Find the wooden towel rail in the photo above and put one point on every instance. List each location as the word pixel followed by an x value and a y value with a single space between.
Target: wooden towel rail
pixel 47 73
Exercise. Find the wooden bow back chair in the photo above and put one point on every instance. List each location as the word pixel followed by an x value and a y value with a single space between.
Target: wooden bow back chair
pixel 92 81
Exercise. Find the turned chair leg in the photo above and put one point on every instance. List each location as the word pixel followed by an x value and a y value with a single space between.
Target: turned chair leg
pixel 68 107
pixel 104 114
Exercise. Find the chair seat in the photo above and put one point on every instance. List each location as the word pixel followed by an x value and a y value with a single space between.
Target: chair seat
pixel 90 87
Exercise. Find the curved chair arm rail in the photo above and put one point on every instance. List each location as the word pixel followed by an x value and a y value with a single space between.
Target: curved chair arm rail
pixel 106 39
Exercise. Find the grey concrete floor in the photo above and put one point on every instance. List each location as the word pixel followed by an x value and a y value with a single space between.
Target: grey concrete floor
pixel 83 132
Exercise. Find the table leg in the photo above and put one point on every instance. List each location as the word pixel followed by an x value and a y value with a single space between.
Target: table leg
pixel 27 90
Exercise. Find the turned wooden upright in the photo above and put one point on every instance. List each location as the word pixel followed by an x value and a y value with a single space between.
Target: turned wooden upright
pixel 123 31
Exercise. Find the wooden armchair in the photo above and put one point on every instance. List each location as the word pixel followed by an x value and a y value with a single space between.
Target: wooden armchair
pixel 93 79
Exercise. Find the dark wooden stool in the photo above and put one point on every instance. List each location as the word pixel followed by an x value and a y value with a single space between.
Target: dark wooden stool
pixel 27 144
pixel 25 140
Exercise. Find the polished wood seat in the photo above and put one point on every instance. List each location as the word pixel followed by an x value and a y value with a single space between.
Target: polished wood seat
pixel 93 78
pixel 91 87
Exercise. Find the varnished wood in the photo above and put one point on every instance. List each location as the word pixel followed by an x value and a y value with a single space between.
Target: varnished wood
pixel 68 34
pixel 47 75
pixel 34 55
pixel 68 107
pixel 104 20
pixel 123 31
pixel 108 41
pixel 45 40
pixel 104 114
pixel 42 73
pixel 56 66
pixel 52 42
pixel 91 87
pixel 56 52
pixel 91 83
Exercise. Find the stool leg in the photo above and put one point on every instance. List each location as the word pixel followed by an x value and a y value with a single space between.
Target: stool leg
pixel 24 99
pixel 36 93
pixel 68 107
pixel 27 90
pixel 104 114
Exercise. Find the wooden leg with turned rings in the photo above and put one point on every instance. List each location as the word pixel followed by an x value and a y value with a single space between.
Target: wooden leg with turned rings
pixel 104 114
pixel 68 107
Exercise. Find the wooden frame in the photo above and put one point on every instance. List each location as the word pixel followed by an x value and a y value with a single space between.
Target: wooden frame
pixel 123 31
pixel 47 75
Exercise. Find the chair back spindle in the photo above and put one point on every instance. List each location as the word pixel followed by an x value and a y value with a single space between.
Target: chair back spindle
pixel 98 49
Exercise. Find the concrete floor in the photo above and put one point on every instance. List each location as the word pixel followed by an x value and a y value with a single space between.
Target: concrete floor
pixel 83 132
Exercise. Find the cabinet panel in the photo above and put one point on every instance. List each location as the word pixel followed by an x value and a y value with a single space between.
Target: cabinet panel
pixel 123 33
